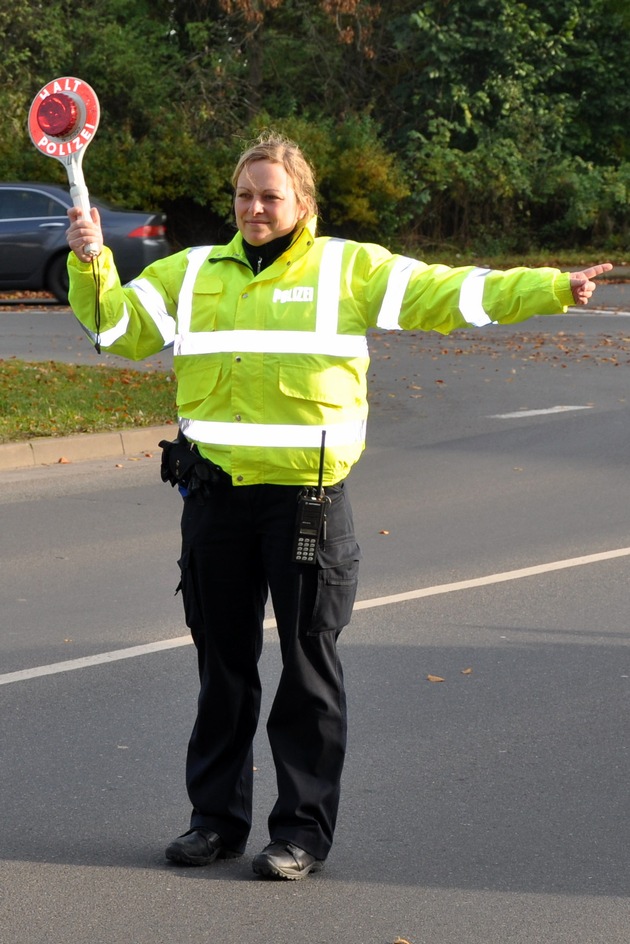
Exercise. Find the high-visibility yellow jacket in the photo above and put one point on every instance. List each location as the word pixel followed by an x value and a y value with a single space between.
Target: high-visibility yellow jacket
pixel 266 362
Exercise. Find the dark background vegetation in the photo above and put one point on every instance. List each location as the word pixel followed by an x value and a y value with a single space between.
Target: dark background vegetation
pixel 451 125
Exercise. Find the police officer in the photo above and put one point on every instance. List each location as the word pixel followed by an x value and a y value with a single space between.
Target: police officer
pixel 270 353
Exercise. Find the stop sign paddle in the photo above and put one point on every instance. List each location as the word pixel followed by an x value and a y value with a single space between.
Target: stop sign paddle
pixel 62 121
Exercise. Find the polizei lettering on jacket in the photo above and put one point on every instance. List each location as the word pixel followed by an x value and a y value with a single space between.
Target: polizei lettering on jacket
pixel 301 293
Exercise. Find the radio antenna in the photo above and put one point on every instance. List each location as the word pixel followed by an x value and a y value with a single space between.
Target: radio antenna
pixel 321 465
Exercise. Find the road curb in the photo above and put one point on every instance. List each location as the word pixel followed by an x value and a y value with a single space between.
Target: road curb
pixel 84 446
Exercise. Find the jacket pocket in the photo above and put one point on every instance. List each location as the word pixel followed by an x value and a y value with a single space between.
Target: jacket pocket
pixel 195 382
pixel 333 386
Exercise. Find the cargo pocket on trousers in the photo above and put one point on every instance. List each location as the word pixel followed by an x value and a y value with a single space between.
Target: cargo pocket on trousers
pixel 337 579
pixel 192 612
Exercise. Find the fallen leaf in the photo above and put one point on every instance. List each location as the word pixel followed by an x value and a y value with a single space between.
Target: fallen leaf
pixel 383 532
pixel 434 678
pixel 401 940
pixel 63 461
pixel 467 671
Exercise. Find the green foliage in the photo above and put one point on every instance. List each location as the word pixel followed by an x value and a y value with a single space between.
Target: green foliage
pixel 588 203
pixel 503 86
pixel 481 123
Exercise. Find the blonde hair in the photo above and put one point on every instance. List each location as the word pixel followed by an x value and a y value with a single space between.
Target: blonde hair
pixel 278 149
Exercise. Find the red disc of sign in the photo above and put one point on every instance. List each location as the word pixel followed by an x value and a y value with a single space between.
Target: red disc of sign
pixel 58 115
pixel 63 117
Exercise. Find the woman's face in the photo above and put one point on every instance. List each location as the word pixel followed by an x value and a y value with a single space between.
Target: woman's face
pixel 265 203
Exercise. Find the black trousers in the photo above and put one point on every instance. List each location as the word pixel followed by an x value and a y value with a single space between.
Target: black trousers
pixel 236 548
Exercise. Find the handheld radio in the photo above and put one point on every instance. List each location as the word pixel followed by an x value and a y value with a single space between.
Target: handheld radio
pixel 310 522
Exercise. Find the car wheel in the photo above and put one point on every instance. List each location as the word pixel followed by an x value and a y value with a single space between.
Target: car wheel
pixel 57 278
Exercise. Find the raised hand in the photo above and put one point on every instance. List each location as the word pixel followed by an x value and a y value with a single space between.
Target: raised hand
pixel 83 232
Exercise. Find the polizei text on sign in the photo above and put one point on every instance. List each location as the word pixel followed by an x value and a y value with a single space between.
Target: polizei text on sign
pixel 63 148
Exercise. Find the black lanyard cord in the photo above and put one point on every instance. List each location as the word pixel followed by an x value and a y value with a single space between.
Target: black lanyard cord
pixel 96 275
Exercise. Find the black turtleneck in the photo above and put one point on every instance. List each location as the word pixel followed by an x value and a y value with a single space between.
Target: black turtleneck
pixel 259 257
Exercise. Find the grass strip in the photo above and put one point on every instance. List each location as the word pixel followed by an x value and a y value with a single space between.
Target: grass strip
pixel 53 399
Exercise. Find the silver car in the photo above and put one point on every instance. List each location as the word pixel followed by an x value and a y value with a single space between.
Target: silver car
pixel 33 248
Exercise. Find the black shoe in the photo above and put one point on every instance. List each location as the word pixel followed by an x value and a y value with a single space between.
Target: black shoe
pixel 284 860
pixel 199 847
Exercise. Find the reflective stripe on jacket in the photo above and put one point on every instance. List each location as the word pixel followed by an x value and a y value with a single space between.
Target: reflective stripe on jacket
pixel 265 363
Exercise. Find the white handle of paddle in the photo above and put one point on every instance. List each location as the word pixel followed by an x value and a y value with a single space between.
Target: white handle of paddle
pixel 81 198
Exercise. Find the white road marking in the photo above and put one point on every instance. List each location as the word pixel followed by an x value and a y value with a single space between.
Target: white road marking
pixel 534 571
pixel 600 312
pixel 134 651
pixel 551 409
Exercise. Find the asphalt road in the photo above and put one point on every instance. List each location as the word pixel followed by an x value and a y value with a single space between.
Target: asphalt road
pixel 54 334
pixel 493 509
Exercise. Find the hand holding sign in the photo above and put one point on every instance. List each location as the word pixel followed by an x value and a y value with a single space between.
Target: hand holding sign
pixel 62 121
